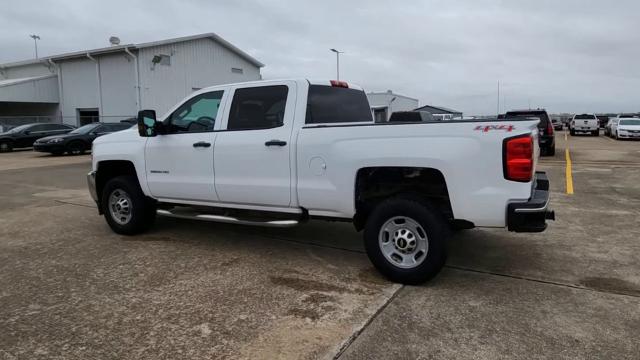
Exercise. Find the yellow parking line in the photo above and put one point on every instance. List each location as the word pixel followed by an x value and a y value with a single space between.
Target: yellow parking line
pixel 568 172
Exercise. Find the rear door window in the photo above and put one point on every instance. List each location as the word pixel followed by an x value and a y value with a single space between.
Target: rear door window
pixel 330 105
pixel 258 108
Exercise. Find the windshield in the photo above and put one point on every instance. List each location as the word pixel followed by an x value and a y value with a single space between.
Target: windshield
pixel 630 122
pixel 18 129
pixel 85 129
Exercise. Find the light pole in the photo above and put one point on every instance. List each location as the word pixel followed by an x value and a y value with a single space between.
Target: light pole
pixel 337 62
pixel 35 42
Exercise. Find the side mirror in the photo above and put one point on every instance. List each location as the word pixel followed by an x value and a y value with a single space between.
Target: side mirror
pixel 147 123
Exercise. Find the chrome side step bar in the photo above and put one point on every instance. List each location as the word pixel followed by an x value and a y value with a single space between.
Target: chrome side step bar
pixel 229 219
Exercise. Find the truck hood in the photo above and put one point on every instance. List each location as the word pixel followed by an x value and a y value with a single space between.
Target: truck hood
pixel 127 135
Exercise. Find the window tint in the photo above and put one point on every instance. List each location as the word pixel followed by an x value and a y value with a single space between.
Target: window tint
pixel 198 114
pixel 117 127
pixel 52 127
pixel 41 127
pixel 327 104
pixel 585 117
pixel 542 115
pixel 258 108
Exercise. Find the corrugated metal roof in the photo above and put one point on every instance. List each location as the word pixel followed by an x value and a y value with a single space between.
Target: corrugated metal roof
pixel 119 48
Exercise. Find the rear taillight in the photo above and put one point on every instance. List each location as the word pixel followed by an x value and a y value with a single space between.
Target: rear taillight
pixel 518 158
pixel 338 83
pixel 549 128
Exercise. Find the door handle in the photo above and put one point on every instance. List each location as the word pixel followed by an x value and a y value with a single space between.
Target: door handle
pixel 202 144
pixel 275 143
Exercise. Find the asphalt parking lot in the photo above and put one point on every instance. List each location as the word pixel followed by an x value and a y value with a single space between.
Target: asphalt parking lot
pixel 70 288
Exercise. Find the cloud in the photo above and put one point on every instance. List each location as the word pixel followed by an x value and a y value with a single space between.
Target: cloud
pixel 567 56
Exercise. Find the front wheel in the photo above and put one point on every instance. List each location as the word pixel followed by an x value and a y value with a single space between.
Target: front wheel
pixel 127 210
pixel 596 133
pixel 405 240
pixel 76 148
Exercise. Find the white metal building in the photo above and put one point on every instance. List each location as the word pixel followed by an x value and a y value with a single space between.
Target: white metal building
pixel 113 83
pixel 383 104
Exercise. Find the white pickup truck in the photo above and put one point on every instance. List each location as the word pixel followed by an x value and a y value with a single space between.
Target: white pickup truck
pixel 278 153
pixel 588 123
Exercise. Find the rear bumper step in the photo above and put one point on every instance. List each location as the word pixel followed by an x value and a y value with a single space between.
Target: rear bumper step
pixel 532 216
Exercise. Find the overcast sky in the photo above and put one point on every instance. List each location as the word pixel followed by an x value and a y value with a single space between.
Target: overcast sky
pixel 565 55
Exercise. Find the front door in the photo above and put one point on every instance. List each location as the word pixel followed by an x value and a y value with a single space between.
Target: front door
pixel 179 163
pixel 252 156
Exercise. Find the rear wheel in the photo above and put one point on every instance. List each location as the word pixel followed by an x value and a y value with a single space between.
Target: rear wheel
pixel 76 148
pixel 572 132
pixel 405 240
pixel 6 146
pixel 596 133
pixel 551 151
pixel 127 210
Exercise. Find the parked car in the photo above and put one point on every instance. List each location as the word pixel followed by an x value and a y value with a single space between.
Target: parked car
pixel 602 120
pixel 610 124
pixel 626 128
pixel 557 124
pixel 77 141
pixel 546 136
pixel 279 152
pixel 25 135
pixel 584 123
pixel 5 128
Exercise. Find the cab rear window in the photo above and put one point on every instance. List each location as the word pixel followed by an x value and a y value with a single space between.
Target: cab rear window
pixel 331 105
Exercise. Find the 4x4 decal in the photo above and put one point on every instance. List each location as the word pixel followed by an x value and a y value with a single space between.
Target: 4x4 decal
pixel 487 128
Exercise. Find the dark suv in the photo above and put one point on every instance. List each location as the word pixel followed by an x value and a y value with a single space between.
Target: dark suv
pixel 546 138
pixel 25 135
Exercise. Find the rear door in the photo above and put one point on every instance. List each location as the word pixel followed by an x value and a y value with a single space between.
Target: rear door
pixel 30 135
pixel 253 150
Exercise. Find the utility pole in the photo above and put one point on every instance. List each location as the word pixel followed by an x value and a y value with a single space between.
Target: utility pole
pixel 35 42
pixel 337 62
pixel 498 112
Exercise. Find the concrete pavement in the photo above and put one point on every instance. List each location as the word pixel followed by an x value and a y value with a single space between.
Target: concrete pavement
pixel 70 288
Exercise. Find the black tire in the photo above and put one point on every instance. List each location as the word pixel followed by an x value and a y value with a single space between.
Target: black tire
pixel 76 148
pixel 6 146
pixel 551 151
pixel 142 209
pixel 596 133
pixel 571 132
pixel 430 221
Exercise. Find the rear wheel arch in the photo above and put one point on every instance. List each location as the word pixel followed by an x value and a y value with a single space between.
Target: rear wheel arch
pixel 376 184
